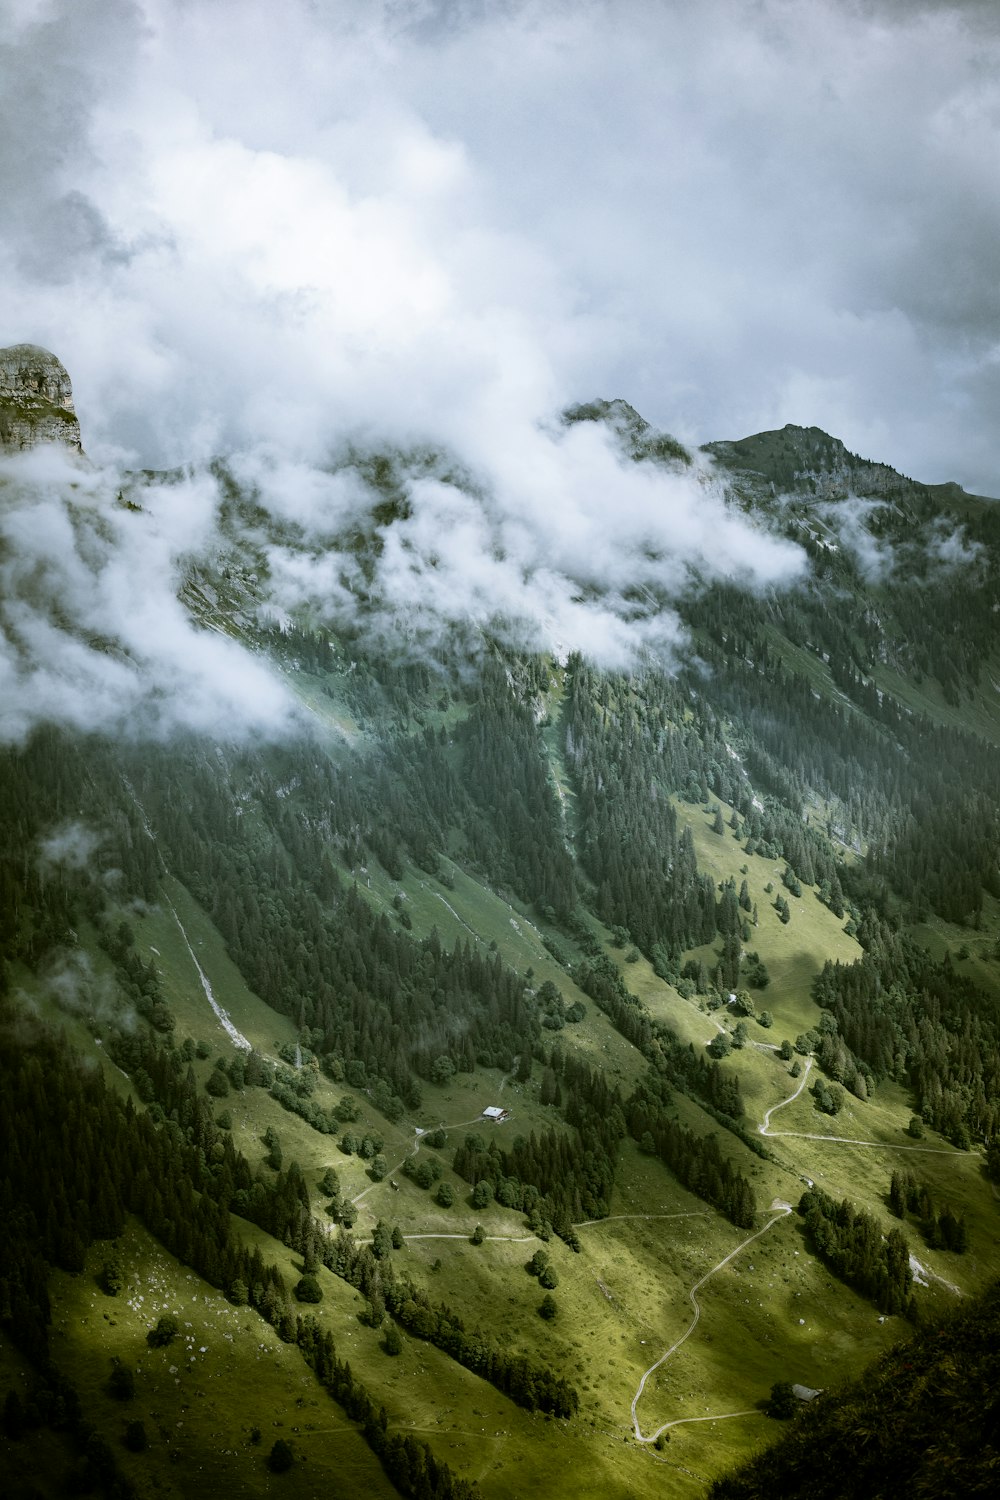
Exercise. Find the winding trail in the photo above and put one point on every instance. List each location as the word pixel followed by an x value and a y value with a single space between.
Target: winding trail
pixel 780 1211
pixel 764 1128
pixel 705 1213
pixel 419 1133
pixel 496 1239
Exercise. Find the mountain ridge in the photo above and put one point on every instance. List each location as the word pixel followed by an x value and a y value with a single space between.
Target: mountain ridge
pixel 642 908
pixel 36 407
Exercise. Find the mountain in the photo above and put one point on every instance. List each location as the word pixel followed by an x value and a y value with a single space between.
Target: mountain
pixel 807 461
pixel 438 1064
pixel 36 400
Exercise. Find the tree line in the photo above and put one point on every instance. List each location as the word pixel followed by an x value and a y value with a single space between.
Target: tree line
pixel 852 1244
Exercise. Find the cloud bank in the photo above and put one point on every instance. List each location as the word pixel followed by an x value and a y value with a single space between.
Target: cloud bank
pixel 238 222
pixel 262 231
pixel 92 635
pixel 563 548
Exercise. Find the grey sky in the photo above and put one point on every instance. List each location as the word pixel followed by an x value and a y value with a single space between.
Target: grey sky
pixel 258 230
pixel 239 222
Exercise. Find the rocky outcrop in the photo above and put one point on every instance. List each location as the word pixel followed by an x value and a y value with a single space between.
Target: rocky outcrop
pixel 36 400
pixel 636 437
pixel 807 461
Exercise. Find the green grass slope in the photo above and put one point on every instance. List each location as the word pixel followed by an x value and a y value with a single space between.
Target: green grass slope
pixel 772 1313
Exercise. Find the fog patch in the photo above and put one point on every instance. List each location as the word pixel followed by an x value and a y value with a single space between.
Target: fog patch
pixel 544 537
pixel 848 519
pixel 71 846
pixel 93 637
pixel 552 542
pixel 68 977
pixel 953 548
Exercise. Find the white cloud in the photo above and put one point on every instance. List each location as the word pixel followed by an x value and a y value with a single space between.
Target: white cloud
pixel 953 548
pixel 70 980
pixel 72 845
pixel 265 231
pixel 561 546
pixel 557 543
pixel 92 635
pixel 848 520
pixel 241 223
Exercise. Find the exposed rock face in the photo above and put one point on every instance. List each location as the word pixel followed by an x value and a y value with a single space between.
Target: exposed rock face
pixel 807 461
pixel 36 400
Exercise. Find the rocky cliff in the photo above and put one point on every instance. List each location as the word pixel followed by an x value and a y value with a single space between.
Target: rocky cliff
pixel 808 462
pixel 36 400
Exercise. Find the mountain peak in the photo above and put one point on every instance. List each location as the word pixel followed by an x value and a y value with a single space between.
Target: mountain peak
pixel 809 461
pixel 636 436
pixel 36 400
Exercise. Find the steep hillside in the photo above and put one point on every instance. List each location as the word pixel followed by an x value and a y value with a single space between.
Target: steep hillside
pixel 923 1421
pixel 716 936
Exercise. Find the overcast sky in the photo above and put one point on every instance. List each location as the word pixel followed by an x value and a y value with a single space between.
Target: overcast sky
pixel 242 222
pixel 257 229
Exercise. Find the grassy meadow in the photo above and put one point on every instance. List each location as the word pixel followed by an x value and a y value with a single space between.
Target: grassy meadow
pixel 771 1313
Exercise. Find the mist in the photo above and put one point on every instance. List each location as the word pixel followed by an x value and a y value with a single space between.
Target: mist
pixel 274 235
pixel 564 546
pixel 93 637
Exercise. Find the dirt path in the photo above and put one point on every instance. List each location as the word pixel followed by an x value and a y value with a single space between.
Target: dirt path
pixel 780 1211
pixel 419 1133
pixel 844 1140
pixel 705 1213
pixel 719 1416
pixel 765 1126
pixel 496 1239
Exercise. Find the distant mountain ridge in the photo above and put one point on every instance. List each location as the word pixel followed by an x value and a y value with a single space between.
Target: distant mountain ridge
pixel 36 407
pixel 791 459
pixel 808 461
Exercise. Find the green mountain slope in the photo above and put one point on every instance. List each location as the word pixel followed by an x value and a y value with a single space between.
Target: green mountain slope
pixel 710 938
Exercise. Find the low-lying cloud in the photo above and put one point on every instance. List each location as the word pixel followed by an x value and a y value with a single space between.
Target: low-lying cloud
pixel 71 846
pixel 562 546
pixel 951 547
pixel 848 520
pixel 68 977
pixel 265 232
pixel 92 635
pixel 945 546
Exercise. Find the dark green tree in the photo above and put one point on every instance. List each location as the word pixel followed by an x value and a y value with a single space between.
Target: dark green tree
pixel 281 1458
pixel 782 1403
pixel 121 1381
pixel 166 1330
